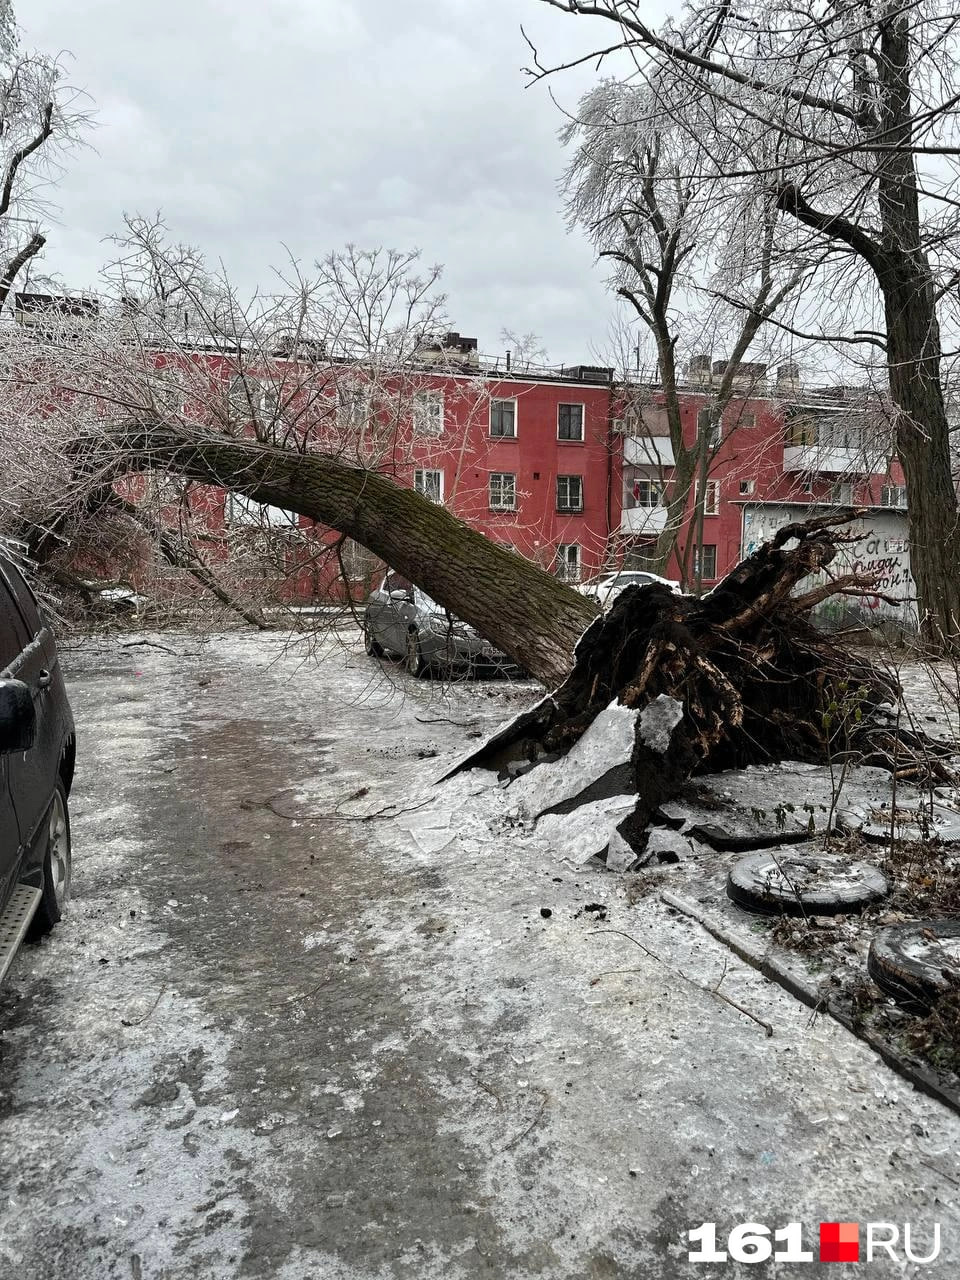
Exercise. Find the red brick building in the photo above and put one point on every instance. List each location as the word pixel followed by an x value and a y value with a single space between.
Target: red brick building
pixel 548 461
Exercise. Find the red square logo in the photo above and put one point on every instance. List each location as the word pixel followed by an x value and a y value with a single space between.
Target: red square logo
pixel 839 1242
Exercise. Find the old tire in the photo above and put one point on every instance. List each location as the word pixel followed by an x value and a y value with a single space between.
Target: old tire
pixel 57 867
pixel 791 882
pixel 370 646
pixel 916 962
pixel 413 661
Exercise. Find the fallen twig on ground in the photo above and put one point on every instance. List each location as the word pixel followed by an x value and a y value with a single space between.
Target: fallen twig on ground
pixel 710 991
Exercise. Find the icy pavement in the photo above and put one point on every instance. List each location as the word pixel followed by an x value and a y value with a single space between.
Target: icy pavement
pixel 311 1016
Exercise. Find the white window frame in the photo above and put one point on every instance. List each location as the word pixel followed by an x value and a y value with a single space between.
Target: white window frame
pixel 499 400
pixel 704 418
pixel 271 398
pixel 711 499
pixel 568 567
pixel 354 401
pixel 839 498
pixel 428 412
pixel 747 488
pixel 242 510
pixel 898 492
pixel 169 397
pixel 655 487
pixel 572 404
pixel 422 485
pixel 244 392
pixel 359 564
pixel 502 503
pixel 569 509
pixel 707 546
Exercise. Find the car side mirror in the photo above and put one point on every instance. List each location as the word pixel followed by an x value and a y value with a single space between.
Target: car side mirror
pixel 18 717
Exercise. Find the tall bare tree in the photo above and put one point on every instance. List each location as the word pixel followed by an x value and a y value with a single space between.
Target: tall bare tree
pixel 849 115
pixel 40 120
pixel 685 267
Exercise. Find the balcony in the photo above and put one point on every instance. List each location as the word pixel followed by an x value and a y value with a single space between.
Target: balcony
pixel 831 459
pixel 648 451
pixel 643 520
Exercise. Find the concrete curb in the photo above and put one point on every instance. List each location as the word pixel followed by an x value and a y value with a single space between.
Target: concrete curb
pixel 921 1077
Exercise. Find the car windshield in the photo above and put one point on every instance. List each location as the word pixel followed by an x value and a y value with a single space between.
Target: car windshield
pixel 425 602
pixel 623 579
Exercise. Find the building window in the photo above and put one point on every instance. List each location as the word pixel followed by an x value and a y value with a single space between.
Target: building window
pixel 568 562
pixel 353 403
pixel 570 422
pixel 429 483
pixel 647 493
pixel 799 430
pixel 244 394
pixel 893 495
pixel 746 418
pixel 503 491
pixel 503 419
pixel 711 501
pixel 242 510
pixel 359 564
pixel 428 415
pixel 707 422
pixel 705 561
pixel 842 494
pixel 270 399
pixel 169 398
pixel 569 493
pixel 747 487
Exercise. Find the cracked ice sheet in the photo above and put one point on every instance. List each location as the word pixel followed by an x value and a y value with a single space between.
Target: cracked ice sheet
pixel 607 742
pixel 586 831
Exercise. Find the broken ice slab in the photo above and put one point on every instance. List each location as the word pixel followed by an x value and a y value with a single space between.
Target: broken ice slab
pixel 587 830
pixel 752 808
pixel 607 743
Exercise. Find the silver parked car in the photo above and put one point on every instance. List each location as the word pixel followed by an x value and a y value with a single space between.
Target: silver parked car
pixel 402 621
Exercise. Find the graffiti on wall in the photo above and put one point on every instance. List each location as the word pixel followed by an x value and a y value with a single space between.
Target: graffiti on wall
pixel 882 547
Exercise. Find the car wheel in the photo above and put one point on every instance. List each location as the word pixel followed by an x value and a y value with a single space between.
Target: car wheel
pixel 916 962
pixel 57 866
pixel 800 884
pixel 369 644
pixel 414 659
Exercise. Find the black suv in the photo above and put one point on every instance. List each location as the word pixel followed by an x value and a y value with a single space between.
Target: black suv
pixel 37 752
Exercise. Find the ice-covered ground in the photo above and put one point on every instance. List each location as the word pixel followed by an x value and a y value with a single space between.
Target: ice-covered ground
pixel 314 1016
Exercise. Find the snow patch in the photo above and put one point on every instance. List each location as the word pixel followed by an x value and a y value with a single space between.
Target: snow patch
pixel 658 721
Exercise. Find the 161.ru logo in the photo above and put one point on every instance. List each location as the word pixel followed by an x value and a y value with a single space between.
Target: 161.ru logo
pixel 839 1242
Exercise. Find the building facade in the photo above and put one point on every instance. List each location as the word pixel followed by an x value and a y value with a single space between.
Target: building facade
pixel 567 466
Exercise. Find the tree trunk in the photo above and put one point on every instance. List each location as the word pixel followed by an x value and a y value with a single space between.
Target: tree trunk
pixel 923 446
pixel 530 615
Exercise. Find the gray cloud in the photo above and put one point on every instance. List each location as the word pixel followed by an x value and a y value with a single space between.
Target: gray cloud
pixel 308 123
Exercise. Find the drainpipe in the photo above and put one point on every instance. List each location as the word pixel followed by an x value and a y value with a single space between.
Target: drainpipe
pixel 611 441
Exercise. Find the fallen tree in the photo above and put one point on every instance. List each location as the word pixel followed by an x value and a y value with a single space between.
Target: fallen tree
pixel 527 613
pixel 741 676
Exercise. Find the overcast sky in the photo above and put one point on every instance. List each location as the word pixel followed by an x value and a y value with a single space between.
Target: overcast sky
pixel 258 124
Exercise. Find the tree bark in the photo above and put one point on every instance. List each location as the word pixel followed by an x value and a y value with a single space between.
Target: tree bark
pixel 530 615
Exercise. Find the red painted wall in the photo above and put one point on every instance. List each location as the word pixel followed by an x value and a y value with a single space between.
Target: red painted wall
pixel 466 453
